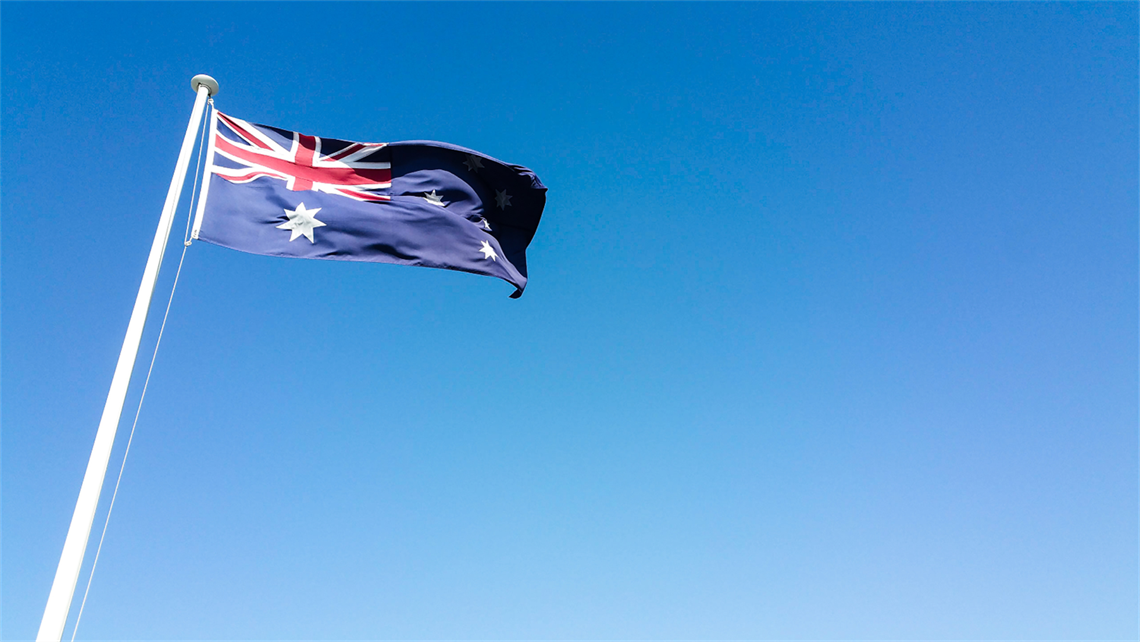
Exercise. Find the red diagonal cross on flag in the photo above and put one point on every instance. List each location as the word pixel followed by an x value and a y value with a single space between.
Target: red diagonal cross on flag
pixel 302 166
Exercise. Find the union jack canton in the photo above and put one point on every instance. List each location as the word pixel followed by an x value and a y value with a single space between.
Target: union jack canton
pixel 276 192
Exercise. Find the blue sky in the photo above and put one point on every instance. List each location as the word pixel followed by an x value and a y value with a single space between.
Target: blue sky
pixel 831 331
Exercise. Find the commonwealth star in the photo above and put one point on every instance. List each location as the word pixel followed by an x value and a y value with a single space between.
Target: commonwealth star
pixel 301 222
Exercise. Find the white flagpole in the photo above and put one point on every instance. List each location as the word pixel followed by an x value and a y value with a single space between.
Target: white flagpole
pixel 70 562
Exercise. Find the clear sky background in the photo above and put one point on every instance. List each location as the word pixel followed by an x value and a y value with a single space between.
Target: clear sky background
pixel 831 331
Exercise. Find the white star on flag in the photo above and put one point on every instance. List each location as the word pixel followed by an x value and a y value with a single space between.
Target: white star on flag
pixel 486 224
pixel 488 251
pixel 433 198
pixel 301 222
pixel 503 200
pixel 473 163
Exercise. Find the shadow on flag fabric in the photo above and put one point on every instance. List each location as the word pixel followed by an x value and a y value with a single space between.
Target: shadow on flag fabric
pixel 280 193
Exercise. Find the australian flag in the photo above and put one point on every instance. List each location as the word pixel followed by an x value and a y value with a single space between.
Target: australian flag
pixel 280 193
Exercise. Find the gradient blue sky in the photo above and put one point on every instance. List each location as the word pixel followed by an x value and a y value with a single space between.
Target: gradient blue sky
pixel 831 330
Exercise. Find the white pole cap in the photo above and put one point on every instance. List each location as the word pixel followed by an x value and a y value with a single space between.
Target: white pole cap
pixel 203 79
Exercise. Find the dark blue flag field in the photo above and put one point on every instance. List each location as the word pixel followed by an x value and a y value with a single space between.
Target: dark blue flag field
pixel 280 193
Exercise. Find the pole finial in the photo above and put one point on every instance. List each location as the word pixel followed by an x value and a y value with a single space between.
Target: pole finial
pixel 208 81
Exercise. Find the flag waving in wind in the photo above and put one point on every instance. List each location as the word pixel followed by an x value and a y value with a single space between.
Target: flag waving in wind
pixel 280 193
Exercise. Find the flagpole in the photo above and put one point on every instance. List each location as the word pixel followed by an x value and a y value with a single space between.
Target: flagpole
pixel 71 561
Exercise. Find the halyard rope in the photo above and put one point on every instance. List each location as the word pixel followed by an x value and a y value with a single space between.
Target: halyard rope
pixel 138 410
pixel 198 170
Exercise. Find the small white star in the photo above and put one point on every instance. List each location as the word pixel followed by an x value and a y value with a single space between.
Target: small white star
pixel 488 252
pixel 433 198
pixel 301 222
pixel 473 163
pixel 486 225
pixel 503 200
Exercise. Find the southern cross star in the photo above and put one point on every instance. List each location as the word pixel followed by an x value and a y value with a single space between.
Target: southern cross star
pixel 473 163
pixel 486 225
pixel 503 200
pixel 488 251
pixel 301 222
pixel 433 198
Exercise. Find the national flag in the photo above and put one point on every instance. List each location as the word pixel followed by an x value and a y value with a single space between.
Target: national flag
pixel 281 193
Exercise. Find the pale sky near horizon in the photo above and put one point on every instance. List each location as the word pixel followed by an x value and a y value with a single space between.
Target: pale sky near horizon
pixel 831 330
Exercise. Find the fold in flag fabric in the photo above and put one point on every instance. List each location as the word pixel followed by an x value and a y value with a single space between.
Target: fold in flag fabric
pixel 280 193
